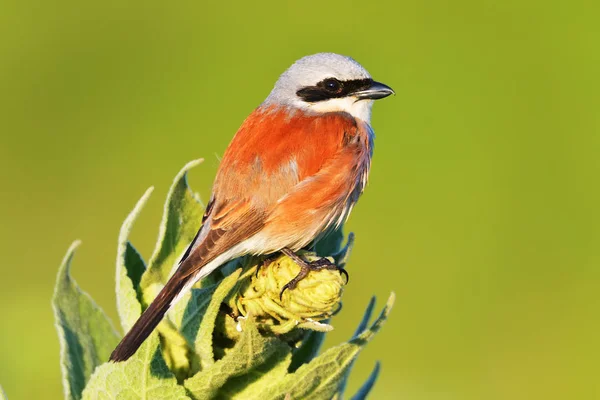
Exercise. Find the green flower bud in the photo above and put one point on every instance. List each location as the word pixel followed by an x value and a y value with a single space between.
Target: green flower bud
pixel 315 298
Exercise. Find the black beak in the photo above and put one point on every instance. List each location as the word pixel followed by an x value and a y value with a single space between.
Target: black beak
pixel 374 92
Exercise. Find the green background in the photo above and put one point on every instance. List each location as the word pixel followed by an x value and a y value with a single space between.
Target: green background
pixel 481 212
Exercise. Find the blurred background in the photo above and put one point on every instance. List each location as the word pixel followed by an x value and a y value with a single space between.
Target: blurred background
pixel 481 213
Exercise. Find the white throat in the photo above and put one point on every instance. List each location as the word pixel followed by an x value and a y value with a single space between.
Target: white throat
pixel 358 109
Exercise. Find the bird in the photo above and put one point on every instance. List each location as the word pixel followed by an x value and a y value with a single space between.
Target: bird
pixel 293 172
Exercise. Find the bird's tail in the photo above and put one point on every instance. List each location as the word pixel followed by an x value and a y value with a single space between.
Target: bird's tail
pixel 150 318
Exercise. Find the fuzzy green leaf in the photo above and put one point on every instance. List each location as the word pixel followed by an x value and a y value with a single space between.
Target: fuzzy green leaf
pixel 143 376
pixel 181 219
pixel 250 351
pixel 313 340
pixel 86 335
pixel 3 394
pixel 251 385
pixel 130 267
pixel 188 313
pixel 322 377
pixel 364 390
pixel 180 331
pixel 203 343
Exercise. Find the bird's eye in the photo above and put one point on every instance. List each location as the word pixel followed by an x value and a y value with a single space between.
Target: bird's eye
pixel 332 85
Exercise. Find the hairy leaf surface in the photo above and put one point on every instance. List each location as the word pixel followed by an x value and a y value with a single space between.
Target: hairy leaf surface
pixel 144 376
pixel 86 335
pixel 250 351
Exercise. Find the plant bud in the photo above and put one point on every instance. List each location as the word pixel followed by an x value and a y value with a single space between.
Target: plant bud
pixel 315 298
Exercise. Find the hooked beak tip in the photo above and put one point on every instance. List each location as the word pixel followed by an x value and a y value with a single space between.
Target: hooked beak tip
pixel 376 91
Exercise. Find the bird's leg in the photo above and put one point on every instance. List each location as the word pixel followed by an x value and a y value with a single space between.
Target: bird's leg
pixel 306 267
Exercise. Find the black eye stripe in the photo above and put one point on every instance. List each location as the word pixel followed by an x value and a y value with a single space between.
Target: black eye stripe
pixel 321 91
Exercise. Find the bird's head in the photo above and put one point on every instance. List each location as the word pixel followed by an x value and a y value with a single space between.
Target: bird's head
pixel 328 82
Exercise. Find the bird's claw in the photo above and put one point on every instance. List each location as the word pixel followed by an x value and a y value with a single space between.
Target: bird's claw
pixel 306 267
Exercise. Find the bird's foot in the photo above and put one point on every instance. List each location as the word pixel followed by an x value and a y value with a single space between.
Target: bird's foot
pixel 306 267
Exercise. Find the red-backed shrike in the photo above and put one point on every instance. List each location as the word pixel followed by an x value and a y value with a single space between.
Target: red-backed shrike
pixel 293 171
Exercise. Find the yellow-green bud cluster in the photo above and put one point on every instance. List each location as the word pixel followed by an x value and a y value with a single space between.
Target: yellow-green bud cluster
pixel 315 298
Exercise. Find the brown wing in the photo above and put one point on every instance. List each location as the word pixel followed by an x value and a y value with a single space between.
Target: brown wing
pixel 227 225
